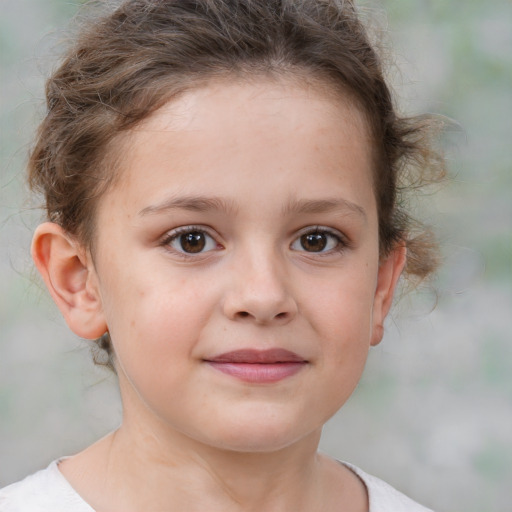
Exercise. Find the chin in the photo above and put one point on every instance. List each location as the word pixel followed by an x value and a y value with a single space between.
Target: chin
pixel 259 436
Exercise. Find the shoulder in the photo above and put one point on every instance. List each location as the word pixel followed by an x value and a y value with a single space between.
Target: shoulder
pixel 383 497
pixel 44 491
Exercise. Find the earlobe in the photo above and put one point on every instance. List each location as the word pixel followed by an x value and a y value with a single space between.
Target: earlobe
pixel 390 270
pixel 70 278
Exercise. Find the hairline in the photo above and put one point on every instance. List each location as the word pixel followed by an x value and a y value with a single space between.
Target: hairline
pixel 112 157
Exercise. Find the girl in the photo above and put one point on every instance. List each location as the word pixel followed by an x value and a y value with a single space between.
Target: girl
pixel 224 184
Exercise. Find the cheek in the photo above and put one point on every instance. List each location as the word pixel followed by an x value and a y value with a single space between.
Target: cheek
pixel 341 307
pixel 342 319
pixel 156 325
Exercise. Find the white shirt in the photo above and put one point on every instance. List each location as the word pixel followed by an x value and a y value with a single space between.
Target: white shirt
pixel 48 491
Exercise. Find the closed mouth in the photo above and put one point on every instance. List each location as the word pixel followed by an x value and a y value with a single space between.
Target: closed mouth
pixel 253 356
pixel 258 366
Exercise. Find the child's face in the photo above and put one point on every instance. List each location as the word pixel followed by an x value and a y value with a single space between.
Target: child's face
pixel 244 220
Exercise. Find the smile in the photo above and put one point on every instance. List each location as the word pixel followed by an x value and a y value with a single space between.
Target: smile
pixel 259 366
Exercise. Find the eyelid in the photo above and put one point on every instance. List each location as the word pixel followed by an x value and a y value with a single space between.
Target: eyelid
pixel 343 242
pixel 175 233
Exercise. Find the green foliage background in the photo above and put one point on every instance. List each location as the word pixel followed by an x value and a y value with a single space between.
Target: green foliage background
pixel 433 414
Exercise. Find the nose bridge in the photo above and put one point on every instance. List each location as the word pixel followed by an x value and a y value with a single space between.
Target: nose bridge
pixel 260 288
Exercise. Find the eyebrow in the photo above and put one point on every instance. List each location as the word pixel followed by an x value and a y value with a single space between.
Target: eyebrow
pixel 191 203
pixel 206 204
pixel 324 206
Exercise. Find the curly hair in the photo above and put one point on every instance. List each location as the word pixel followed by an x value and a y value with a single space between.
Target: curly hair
pixel 125 65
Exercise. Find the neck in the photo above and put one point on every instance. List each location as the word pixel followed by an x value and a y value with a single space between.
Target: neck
pixel 178 471
pixel 133 470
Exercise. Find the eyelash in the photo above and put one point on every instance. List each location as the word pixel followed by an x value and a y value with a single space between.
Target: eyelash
pixel 175 234
pixel 341 241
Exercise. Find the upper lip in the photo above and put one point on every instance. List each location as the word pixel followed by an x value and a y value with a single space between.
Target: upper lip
pixel 254 356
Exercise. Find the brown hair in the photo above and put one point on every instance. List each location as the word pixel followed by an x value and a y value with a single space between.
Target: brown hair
pixel 124 66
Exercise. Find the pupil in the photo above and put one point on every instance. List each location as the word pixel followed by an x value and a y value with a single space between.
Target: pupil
pixel 313 242
pixel 193 242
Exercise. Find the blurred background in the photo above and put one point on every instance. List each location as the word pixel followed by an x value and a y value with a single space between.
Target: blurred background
pixel 433 413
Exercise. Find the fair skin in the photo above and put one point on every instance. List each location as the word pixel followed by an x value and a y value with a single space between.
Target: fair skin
pixel 270 186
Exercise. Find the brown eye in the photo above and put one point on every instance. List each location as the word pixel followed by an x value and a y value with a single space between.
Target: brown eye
pixel 319 240
pixel 313 242
pixel 191 241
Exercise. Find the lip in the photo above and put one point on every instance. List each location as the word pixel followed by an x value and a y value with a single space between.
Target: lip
pixel 258 366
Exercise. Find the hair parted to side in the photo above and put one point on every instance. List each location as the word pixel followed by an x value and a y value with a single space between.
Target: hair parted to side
pixel 125 65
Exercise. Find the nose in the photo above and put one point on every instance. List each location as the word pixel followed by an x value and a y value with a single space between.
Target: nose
pixel 259 292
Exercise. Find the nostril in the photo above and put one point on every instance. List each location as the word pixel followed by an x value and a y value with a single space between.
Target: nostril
pixel 243 314
pixel 281 315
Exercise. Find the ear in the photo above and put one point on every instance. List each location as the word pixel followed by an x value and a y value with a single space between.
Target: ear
pixel 390 269
pixel 71 279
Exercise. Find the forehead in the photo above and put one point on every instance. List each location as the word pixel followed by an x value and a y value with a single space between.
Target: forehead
pixel 232 99
pixel 220 134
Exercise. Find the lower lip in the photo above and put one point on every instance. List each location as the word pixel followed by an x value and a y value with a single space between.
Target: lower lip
pixel 258 372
